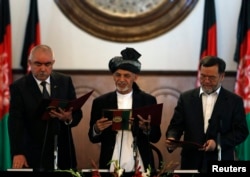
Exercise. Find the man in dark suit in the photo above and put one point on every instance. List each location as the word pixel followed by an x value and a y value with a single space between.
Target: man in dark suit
pixel 33 140
pixel 122 145
pixel 211 116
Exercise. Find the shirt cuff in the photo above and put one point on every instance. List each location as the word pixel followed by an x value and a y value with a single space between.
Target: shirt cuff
pixel 96 133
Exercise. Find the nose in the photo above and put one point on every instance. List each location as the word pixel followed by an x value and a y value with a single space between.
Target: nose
pixel 206 79
pixel 42 68
pixel 121 78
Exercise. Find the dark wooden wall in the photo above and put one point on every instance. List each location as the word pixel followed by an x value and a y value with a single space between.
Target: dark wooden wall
pixel 165 86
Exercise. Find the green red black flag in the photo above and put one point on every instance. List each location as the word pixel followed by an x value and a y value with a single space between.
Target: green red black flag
pixel 5 56
pixel 242 57
pixel 209 36
pixel 209 32
pixel 5 36
pixel 5 80
pixel 243 37
pixel 32 34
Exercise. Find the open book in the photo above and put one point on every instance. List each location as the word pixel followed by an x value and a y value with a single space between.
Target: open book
pixel 120 117
pixel 154 110
pixel 47 105
pixel 186 144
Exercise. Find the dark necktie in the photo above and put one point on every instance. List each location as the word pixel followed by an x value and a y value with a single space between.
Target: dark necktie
pixel 45 91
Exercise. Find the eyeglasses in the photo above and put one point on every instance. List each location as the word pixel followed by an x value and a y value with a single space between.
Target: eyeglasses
pixel 38 64
pixel 210 78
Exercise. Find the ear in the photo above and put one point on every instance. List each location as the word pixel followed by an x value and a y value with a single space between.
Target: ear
pixel 222 76
pixel 136 76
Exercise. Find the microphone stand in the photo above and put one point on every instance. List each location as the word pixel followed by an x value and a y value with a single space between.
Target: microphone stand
pixel 57 130
pixel 55 152
pixel 41 168
pixel 135 152
pixel 219 140
pixel 135 148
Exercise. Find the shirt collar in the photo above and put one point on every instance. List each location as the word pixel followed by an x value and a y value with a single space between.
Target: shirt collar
pixel 124 95
pixel 39 82
pixel 216 91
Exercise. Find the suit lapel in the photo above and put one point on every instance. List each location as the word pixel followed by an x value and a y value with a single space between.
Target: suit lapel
pixel 219 107
pixel 136 100
pixel 54 85
pixel 196 106
pixel 220 103
pixel 33 87
pixel 197 98
pixel 113 100
pixel 216 117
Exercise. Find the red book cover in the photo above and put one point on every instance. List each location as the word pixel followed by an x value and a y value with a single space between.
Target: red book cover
pixel 154 110
pixel 186 144
pixel 48 104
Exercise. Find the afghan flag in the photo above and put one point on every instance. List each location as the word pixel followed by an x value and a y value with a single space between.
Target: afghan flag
pixel 32 35
pixel 5 80
pixel 242 85
pixel 209 33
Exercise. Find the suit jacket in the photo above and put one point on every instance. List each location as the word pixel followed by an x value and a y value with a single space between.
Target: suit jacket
pixel 228 119
pixel 33 137
pixel 108 137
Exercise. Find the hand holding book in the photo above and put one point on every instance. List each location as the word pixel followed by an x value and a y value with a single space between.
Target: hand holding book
pixel 155 111
pixel 121 117
pixel 144 123
pixel 185 144
pixel 47 105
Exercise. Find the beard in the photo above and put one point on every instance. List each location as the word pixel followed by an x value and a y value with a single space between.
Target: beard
pixel 210 90
pixel 120 89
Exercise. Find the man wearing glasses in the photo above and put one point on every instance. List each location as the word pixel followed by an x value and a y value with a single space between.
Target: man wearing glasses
pixel 210 116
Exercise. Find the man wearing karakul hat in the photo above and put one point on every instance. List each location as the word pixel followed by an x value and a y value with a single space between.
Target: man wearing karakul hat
pixel 128 61
pixel 118 145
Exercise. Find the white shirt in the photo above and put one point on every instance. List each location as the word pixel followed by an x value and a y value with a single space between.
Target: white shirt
pixel 123 151
pixel 208 102
pixel 47 84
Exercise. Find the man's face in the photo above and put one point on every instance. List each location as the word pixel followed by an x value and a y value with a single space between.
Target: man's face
pixel 210 79
pixel 41 64
pixel 124 80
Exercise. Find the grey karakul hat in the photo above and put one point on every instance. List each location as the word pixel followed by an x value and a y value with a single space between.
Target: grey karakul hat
pixel 128 61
